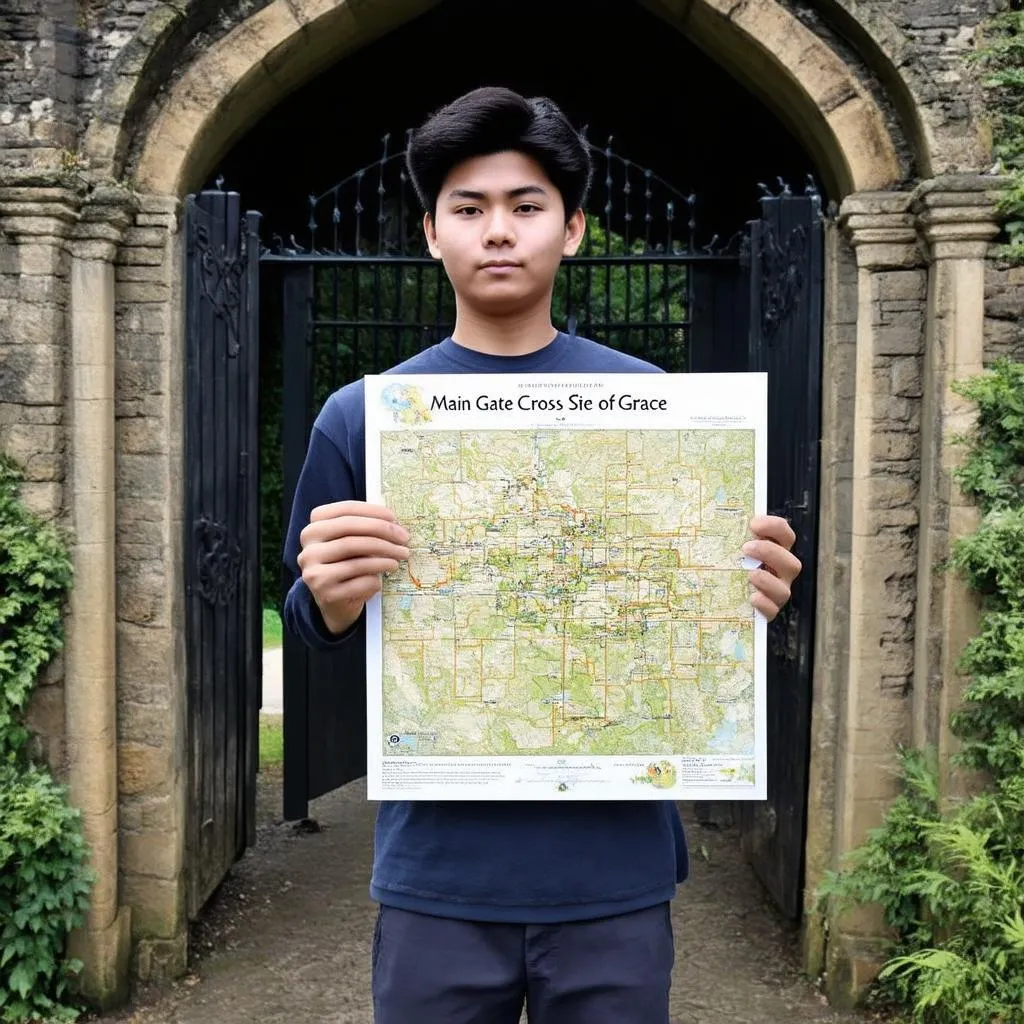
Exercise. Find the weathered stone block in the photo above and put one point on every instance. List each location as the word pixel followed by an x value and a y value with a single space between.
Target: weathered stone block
pixel 161 960
pixel 35 258
pixel 142 435
pixel 142 237
pixel 30 374
pixel 901 338
pixel 142 593
pixel 143 317
pixel 45 499
pixel 909 286
pixel 143 293
pixel 45 716
pixel 145 659
pixel 144 769
pixel 156 854
pixel 141 522
pixel 27 441
pixel 142 271
pixel 140 377
pixel 906 378
pixel 158 905
pixel 894 446
pixel 142 476
pixel 150 813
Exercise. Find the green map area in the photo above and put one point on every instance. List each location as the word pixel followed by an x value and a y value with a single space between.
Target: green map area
pixel 569 592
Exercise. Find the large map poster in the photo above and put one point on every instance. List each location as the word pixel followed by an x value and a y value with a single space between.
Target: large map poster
pixel 574 619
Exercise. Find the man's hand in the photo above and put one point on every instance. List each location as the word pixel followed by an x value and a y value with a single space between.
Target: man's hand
pixel 773 539
pixel 345 548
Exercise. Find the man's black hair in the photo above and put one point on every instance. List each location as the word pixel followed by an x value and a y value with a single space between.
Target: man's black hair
pixel 498 120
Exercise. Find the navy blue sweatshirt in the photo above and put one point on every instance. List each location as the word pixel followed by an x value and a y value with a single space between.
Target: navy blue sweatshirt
pixel 507 861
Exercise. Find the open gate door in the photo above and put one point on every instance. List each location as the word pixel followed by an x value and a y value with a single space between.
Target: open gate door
pixel 786 272
pixel 221 544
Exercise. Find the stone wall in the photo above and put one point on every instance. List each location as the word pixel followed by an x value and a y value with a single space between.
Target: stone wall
pixel 34 296
pixel 1004 312
pixel 39 47
pixel 150 690
pixel 109 58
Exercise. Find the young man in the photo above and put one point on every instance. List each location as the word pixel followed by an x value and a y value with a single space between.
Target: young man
pixel 485 905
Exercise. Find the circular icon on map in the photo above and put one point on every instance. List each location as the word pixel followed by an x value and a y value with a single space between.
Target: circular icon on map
pixel 393 739
pixel 662 774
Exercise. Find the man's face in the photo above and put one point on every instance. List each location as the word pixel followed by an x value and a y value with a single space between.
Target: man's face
pixel 501 232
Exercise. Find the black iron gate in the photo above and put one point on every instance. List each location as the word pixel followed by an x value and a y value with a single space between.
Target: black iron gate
pixel 359 294
pixel 221 543
pixel 785 336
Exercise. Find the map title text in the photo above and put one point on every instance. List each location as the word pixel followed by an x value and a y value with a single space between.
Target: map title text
pixel 533 403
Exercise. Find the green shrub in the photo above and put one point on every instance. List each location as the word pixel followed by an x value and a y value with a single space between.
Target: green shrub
pixel 44 878
pixel 950 881
pixel 44 886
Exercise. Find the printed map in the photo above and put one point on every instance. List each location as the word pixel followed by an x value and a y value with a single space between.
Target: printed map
pixel 569 592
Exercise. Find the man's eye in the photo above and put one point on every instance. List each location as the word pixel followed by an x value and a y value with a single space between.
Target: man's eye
pixel 464 210
pixel 527 208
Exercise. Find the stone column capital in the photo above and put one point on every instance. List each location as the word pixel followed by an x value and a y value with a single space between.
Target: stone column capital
pixel 880 226
pixel 103 218
pixel 31 210
pixel 957 214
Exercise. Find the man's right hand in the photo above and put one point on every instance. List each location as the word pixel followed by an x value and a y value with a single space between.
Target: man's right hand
pixel 345 548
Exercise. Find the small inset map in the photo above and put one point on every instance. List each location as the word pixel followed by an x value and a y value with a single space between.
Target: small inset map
pixel 569 592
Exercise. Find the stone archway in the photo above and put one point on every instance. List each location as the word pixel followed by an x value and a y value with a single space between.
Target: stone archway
pixel 884 327
pixel 238 79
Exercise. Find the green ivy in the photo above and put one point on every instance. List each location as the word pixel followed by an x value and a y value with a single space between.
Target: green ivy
pixel 1001 59
pixel 44 876
pixel 950 880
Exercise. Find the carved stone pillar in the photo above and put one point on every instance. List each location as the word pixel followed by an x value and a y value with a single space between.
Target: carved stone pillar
pixel 91 685
pixel 874 706
pixel 957 220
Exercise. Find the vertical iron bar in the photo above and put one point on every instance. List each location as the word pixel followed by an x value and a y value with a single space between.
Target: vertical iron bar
pixel 648 217
pixel 335 315
pixel 608 240
pixel 296 400
pixel 253 618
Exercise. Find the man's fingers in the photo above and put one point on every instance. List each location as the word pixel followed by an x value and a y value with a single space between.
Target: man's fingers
pixel 353 525
pixel 765 606
pixel 352 568
pixel 771 587
pixel 357 589
pixel 332 552
pixel 337 509
pixel 773 528
pixel 778 559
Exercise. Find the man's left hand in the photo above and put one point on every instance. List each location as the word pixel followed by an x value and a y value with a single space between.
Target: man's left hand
pixel 771 546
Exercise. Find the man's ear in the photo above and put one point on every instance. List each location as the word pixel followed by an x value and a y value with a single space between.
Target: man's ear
pixel 575 229
pixel 431 232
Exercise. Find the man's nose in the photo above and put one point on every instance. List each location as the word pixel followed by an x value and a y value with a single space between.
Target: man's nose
pixel 499 229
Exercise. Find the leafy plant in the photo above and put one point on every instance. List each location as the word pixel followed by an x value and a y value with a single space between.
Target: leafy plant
pixel 950 881
pixel 44 878
pixel 1001 56
pixel 35 573
pixel 44 889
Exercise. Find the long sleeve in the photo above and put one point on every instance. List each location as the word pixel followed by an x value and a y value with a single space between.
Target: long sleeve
pixel 326 477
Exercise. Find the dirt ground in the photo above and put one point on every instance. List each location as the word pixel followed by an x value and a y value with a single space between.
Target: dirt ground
pixel 286 939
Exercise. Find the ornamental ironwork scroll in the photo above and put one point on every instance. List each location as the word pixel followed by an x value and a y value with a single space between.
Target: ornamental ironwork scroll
pixel 218 560
pixel 220 281
pixel 782 281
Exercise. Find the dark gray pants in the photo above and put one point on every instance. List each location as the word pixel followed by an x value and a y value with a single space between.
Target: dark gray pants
pixel 433 970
